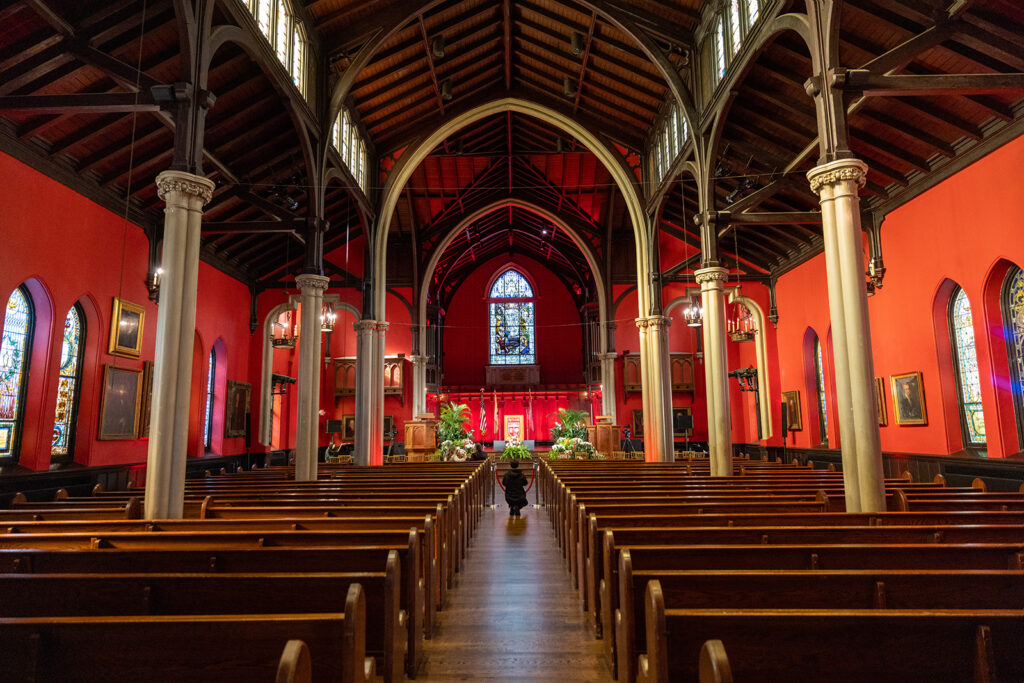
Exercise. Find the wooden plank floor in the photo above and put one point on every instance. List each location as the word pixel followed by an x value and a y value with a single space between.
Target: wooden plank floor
pixel 513 615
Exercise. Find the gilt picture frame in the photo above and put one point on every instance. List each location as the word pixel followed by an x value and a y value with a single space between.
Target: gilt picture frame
pixel 908 403
pixel 236 409
pixel 793 414
pixel 883 418
pixel 126 325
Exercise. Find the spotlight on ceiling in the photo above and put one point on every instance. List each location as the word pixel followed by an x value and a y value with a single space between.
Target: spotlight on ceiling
pixel 437 47
pixel 568 87
pixel 446 89
pixel 576 43
pixel 558 145
pixel 544 231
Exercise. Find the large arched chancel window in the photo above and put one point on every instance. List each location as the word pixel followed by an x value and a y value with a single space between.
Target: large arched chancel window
pixel 1013 322
pixel 69 380
pixel 15 349
pixel 511 320
pixel 968 383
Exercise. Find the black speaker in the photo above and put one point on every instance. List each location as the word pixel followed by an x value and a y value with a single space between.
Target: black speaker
pixel 785 419
pixel 333 427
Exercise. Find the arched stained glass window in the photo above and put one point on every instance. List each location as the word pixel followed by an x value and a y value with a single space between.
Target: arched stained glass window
pixel 512 320
pixel 734 25
pixel 281 34
pixel 1013 322
pixel 819 382
pixel 961 329
pixel 298 59
pixel 68 383
pixel 15 349
pixel 719 53
pixel 208 419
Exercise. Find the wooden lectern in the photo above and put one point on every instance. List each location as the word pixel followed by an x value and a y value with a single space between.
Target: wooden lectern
pixel 421 437
pixel 604 435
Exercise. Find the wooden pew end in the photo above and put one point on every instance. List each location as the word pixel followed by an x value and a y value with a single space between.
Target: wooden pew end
pixel 294 666
pixel 714 663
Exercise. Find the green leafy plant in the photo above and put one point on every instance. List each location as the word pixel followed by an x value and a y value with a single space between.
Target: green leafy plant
pixel 516 451
pixel 452 426
pixel 573 446
pixel 571 424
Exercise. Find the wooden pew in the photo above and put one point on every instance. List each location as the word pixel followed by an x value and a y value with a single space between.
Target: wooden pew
pixel 73 595
pixel 790 557
pixel 239 561
pixel 840 645
pixel 804 589
pixel 179 648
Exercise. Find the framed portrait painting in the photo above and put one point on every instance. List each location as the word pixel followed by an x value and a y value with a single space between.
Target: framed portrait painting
pixel 908 399
pixel 794 418
pixel 119 403
pixel 236 409
pixel 126 323
pixel 883 418
pixel 146 402
pixel 348 427
pixel 638 423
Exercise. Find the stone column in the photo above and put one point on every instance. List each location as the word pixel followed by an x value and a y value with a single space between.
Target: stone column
pixel 837 184
pixel 419 383
pixel 608 387
pixel 311 289
pixel 645 384
pixel 364 389
pixel 661 389
pixel 377 426
pixel 184 194
pixel 716 369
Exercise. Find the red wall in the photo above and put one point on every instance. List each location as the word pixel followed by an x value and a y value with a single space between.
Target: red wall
pixel 558 328
pixel 967 230
pixel 65 249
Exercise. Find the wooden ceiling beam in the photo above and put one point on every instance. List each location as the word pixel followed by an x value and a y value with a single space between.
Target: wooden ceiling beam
pixel 80 103
pixel 880 85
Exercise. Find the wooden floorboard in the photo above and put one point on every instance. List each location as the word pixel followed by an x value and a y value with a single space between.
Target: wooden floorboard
pixel 513 615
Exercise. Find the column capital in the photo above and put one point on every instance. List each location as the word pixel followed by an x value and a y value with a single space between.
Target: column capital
pixel 382 326
pixel 364 325
pixel 711 275
pixel 610 356
pixel 654 322
pixel 417 359
pixel 183 184
pixel 834 172
pixel 308 281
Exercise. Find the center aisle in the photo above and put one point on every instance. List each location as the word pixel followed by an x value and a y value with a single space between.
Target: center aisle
pixel 513 615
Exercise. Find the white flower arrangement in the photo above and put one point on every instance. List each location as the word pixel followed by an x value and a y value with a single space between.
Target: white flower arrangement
pixel 456 450
pixel 570 445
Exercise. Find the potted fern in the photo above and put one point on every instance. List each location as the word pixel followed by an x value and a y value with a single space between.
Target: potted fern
pixel 456 443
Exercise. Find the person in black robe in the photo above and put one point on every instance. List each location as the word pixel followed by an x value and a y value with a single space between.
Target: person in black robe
pixel 514 483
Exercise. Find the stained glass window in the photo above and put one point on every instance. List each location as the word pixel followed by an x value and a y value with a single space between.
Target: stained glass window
pixel 15 347
pixel 719 44
pixel 283 28
pixel 208 419
pixel 753 10
pixel 263 16
pixel 1013 321
pixel 512 320
pixel 820 384
pixel 68 380
pixel 298 58
pixel 734 25
pixel 961 327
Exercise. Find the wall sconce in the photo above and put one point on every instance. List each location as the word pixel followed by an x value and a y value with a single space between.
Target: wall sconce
pixel 153 285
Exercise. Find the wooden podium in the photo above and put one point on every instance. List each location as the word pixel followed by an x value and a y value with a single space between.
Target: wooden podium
pixel 604 435
pixel 420 437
